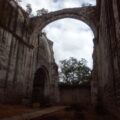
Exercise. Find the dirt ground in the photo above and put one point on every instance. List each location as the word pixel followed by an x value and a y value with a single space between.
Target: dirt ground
pixel 13 110
pixel 79 113
pixel 73 112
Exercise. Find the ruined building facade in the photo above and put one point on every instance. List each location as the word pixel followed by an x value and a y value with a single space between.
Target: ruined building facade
pixel 27 65
pixel 106 74
pixel 26 55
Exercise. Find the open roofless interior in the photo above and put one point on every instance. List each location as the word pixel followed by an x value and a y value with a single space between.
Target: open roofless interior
pixel 29 76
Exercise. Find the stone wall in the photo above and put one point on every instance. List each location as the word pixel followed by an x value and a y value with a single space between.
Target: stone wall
pixel 15 51
pixel 75 95
pixel 20 54
pixel 107 54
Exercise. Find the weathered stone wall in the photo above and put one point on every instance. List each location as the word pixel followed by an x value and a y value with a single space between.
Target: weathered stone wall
pixel 54 84
pixel 94 81
pixel 107 54
pixel 75 95
pixel 20 54
pixel 15 51
pixel 46 58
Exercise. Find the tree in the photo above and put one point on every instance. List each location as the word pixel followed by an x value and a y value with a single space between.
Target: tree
pixel 42 12
pixel 29 9
pixel 74 72
pixel 86 4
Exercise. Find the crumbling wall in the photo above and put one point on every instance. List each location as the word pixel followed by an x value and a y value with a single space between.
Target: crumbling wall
pixel 20 54
pixel 79 95
pixel 108 60
pixel 17 56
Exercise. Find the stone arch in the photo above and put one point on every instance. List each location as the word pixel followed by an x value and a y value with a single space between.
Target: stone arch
pixel 86 14
pixel 41 76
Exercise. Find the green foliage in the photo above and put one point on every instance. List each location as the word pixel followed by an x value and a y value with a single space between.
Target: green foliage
pixel 74 72
pixel 41 12
pixel 86 4
pixel 29 9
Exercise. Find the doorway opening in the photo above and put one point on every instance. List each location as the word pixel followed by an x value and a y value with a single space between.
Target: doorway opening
pixel 40 79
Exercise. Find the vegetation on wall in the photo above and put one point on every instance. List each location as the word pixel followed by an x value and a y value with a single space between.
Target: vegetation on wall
pixel 29 10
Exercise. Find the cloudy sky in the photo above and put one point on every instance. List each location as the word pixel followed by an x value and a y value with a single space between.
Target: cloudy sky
pixel 71 37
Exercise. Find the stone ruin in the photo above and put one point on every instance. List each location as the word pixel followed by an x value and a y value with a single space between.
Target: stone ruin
pixel 28 71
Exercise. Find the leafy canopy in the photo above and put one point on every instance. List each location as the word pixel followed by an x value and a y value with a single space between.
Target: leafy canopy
pixel 74 72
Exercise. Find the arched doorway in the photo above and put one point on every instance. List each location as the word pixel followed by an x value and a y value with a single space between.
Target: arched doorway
pixel 40 78
pixel 85 14
pixel 71 38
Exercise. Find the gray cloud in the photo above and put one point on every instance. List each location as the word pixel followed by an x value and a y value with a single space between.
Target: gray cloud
pixel 53 5
pixel 70 40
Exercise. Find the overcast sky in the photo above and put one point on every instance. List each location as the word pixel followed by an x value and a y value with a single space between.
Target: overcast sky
pixel 71 37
